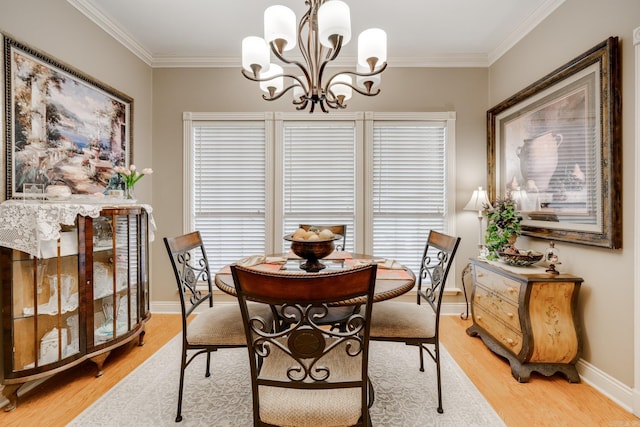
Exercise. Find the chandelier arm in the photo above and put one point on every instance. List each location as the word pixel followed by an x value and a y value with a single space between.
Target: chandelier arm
pixel 356 73
pixel 361 92
pixel 333 103
pixel 258 79
pixel 274 49
pixel 305 50
pixel 372 73
pixel 301 104
pixel 357 89
pixel 285 90
pixel 331 55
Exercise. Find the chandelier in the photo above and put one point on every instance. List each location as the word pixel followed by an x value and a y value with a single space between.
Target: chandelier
pixel 323 30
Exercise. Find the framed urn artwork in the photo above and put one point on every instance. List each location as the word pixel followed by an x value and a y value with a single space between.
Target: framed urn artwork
pixel 555 148
pixel 61 126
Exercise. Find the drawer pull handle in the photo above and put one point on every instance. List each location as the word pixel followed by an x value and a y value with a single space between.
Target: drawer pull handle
pixel 510 341
pixel 512 290
pixel 510 315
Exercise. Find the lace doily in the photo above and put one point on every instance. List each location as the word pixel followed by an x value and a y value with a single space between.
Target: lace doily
pixel 24 225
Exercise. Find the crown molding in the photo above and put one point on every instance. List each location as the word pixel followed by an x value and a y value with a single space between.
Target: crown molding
pixel 106 23
pixel 525 28
pixel 442 61
pixel 481 60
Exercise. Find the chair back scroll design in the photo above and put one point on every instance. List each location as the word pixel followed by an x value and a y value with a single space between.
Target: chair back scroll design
pixel 191 267
pixel 434 268
pixel 307 358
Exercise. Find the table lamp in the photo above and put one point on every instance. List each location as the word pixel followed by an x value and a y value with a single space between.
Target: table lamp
pixel 478 202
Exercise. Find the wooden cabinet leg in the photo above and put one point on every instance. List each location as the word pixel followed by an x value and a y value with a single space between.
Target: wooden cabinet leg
pixel 99 361
pixel 10 392
pixel 141 338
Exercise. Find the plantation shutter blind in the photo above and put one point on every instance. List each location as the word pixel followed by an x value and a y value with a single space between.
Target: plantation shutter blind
pixel 229 189
pixel 409 188
pixel 319 176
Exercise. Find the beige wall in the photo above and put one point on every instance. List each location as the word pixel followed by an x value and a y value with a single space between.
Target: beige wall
pixel 606 299
pixel 225 90
pixel 60 31
pixel 161 95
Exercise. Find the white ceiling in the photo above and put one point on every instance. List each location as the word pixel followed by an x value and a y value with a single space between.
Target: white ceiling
pixel 208 33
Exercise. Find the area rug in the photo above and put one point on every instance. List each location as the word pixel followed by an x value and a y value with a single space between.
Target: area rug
pixel 404 395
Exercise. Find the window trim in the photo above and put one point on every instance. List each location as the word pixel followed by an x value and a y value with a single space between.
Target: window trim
pixel 280 118
pixel 188 119
pixel 449 118
pixel 274 145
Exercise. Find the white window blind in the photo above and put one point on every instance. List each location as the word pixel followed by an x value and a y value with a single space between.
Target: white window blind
pixel 319 175
pixel 229 189
pixel 389 180
pixel 409 188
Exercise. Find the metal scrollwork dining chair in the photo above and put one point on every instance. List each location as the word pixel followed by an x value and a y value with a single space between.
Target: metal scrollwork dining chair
pixel 214 326
pixel 308 375
pixel 419 324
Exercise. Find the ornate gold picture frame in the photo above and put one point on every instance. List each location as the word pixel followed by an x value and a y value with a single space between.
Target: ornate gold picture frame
pixel 555 147
pixel 61 126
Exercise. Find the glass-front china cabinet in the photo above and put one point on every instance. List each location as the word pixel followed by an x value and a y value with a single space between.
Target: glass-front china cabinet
pixel 74 285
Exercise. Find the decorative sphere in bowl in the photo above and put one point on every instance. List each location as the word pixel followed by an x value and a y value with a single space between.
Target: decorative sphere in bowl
pixel 520 258
pixel 312 250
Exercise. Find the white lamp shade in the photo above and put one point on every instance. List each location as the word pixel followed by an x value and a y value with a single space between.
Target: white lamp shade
pixel 375 80
pixel 339 89
pixel 372 43
pixel 478 201
pixel 255 51
pixel 334 18
pixel 280 23
pixel 277 82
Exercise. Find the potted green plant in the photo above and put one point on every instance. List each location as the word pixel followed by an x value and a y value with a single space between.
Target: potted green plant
pixel 503 227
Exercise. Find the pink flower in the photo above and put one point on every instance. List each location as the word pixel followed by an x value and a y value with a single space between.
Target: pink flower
pixel 131 175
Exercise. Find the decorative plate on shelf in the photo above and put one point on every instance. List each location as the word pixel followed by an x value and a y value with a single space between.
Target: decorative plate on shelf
pixel 521 258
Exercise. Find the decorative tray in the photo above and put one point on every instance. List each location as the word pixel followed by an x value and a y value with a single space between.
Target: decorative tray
pixel 521 259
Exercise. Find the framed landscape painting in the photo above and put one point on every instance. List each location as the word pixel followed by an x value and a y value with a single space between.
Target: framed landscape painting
pixel 61 126
pixel 555 149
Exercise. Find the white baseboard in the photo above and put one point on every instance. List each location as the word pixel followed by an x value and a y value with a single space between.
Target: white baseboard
pixel 620 393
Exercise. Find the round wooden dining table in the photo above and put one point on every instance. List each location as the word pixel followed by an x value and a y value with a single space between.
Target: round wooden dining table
pixel 390 283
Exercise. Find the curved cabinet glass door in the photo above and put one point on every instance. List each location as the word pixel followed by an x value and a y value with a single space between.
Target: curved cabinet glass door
pixel 83 295
pixel 45 303
pixel 119 248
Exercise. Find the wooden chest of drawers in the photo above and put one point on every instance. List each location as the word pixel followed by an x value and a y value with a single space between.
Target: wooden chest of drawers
pixel 527 316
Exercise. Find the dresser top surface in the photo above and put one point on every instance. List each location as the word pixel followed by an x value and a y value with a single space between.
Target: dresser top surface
pixel 533 272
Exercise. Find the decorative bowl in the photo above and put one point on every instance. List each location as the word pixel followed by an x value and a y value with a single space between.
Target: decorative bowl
pixel 521 258
pixel 312 251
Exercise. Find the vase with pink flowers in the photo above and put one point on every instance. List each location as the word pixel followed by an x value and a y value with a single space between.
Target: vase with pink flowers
pixel 130 176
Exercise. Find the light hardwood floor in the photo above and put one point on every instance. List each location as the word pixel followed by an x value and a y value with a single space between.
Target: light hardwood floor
pixel 541 402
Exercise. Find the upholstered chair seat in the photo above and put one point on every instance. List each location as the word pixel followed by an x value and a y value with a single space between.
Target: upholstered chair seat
pixel 222 323
pixel 403 319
